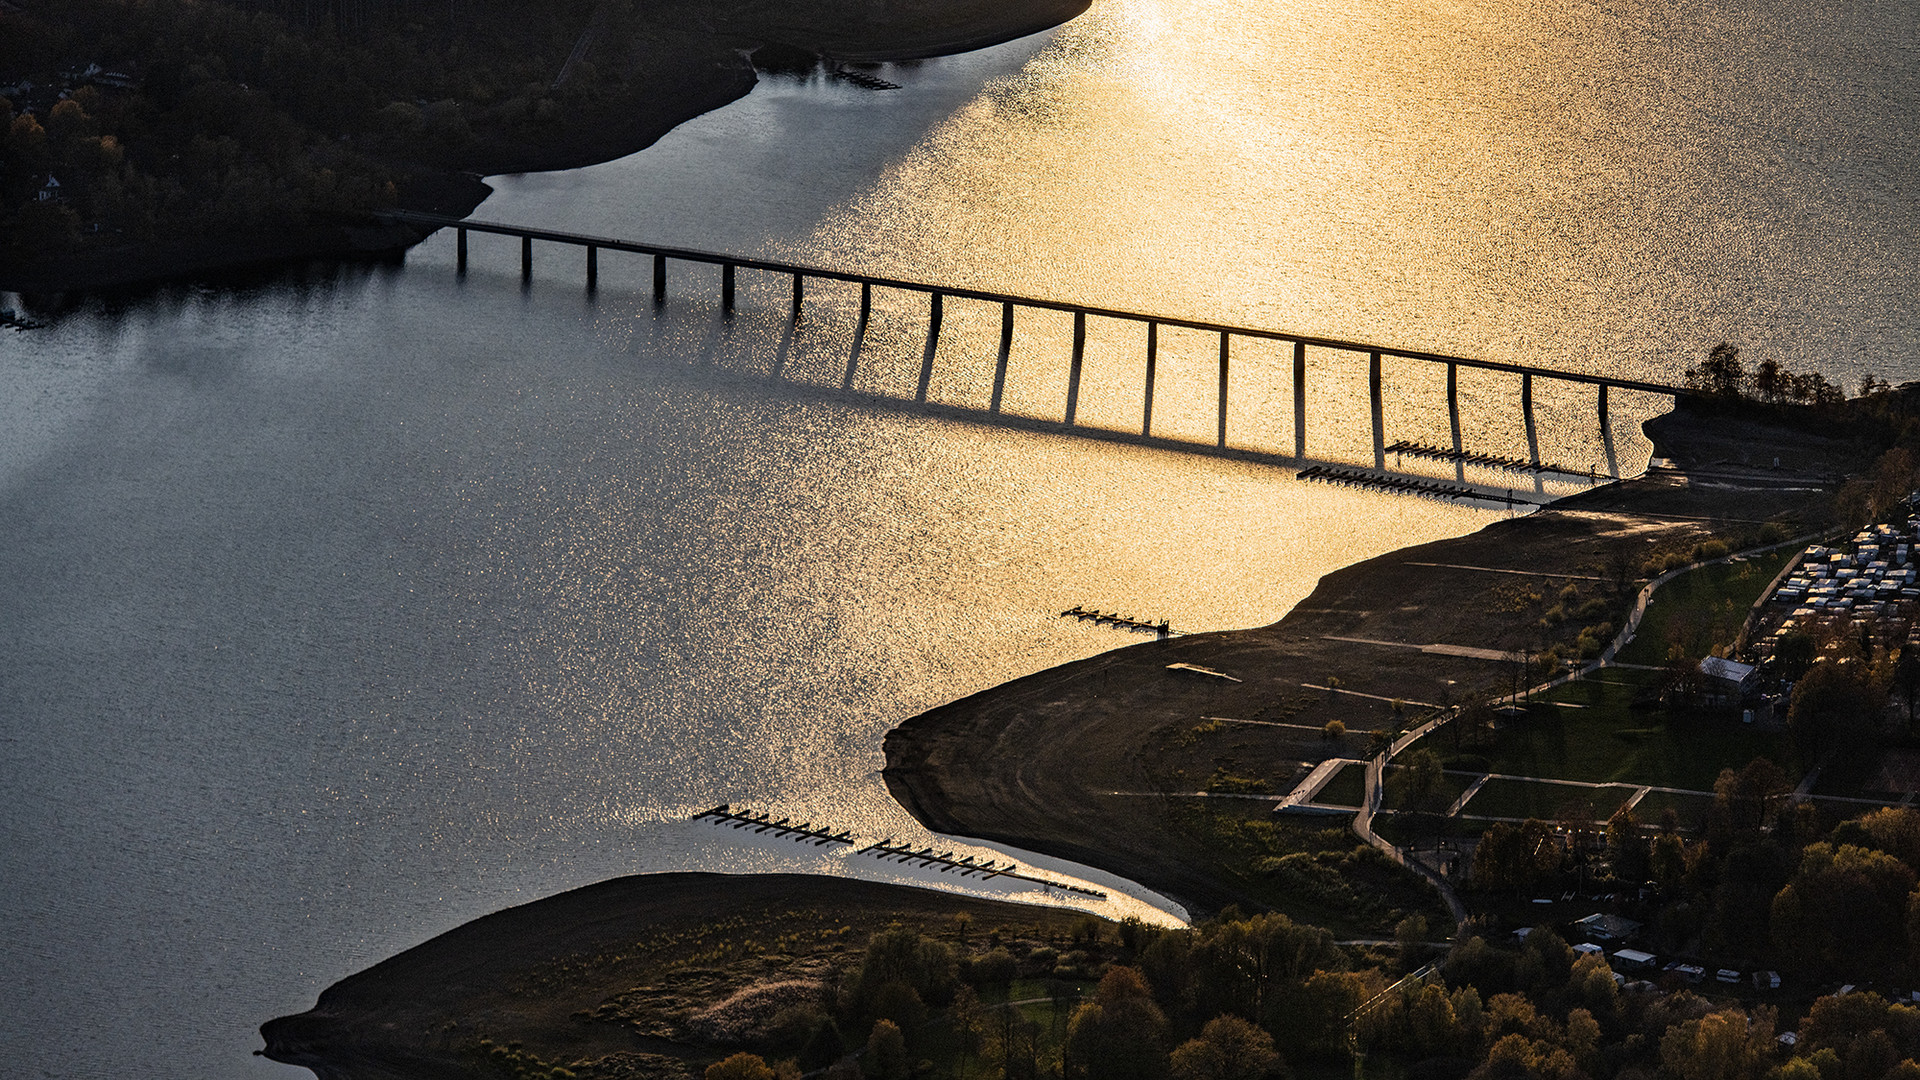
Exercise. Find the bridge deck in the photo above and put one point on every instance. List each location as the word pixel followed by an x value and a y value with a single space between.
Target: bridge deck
pixel 798 271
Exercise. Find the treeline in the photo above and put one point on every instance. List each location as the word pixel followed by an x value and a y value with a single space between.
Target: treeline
pixel 249 119
pixel 1765 885
pixel 1252 997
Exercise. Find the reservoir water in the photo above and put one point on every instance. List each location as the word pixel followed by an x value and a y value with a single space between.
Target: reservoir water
pixel 344 608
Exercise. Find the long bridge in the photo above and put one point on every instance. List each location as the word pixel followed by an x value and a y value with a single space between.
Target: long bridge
pixel 730 265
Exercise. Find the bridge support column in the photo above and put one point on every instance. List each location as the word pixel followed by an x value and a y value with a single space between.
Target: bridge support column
pixel 1153 359
pixel 460 250
pixel 1006 350
pixel 798 287
pixel 526 258
pixel 933 346
pixel 593 267
pixel 1299 400
pixel 1526 410
pixel 726 288
pixel 659 279
pixel 859 334
pixel 1379 423
pixel 1453 421
pixel 1073 374
pixel 1223 390
pixel 1606 435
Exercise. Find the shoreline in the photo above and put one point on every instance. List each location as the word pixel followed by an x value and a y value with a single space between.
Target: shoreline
pixel 1059 761
pixel 404 1015
pixel 685 80
pixel 1025 763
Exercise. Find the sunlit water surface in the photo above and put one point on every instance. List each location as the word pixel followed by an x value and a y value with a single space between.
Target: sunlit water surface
pixel 343 610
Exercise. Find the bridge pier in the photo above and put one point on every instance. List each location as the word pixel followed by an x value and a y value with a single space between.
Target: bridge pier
pixel 659 279
pixel 859 334
pixel 1526 411
pixel 1079 355
pixel 726 289
pixel 1006 350
pixel 593 267
pixel 933 345
pixel 1606 435
pixel 1153 359
pixel 1299 400
pixel 460 250
pixel 797 289
pixel 1222 440
pixel 1379 423
pixel 526 259
pixel 1453 420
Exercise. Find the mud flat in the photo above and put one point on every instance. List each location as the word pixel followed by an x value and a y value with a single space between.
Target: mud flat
pixel 1099 761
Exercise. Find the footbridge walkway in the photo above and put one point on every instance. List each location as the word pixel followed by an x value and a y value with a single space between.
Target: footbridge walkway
pixel 937 296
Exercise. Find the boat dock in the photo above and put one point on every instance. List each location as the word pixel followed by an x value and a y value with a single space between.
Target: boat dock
pixel 886 850
pixel 783 829
pixel 1491 461
pixel 1164 628
pixel 1400 484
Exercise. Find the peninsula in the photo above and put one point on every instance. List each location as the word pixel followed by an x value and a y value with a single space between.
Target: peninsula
pixel 145 140
pixel 1139 761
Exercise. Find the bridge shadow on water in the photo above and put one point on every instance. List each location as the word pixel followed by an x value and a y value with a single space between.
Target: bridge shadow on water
pixel 788 330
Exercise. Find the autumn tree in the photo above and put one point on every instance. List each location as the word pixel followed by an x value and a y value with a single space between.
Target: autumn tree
pixel 1845 910
pixel 1228 1048
pixel 742 1066
pixel 1120 1034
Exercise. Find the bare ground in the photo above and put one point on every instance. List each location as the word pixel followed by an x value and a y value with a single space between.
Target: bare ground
pixel 1068 761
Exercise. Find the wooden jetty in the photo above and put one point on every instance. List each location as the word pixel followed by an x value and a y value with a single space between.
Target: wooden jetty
pixel 783 829
pixel 886 850
pixel 1101 618
pixel 862 79
pixel 1400 484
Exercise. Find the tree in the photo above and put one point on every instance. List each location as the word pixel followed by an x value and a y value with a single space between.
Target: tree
pixel 742 1066
pixel 1416 786
pixel 1722 374
pixel 1844 910
pixel 886 1057
pixel 1119 1034
pixel 1228 1048
pixel 1833 709
pixel 1724 1045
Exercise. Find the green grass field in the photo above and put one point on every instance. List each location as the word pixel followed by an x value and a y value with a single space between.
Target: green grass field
pixel 1697 611
pixel 1346 787
pixel 1588 730
pixel 1526 799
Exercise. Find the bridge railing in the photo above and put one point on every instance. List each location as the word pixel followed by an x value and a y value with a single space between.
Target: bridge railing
pixel 937 294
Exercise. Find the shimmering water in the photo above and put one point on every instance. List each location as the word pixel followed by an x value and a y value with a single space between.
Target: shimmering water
pixel 338 612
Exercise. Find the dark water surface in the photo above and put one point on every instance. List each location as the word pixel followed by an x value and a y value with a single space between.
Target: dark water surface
pixel 339 611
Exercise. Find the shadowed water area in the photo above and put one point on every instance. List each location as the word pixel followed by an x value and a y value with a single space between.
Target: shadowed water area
pixel 347 607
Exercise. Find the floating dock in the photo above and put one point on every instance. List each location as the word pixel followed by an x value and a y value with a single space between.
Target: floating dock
pixel 1491 461
pixel 1400 484
pixel 1164 628
pixel 886 850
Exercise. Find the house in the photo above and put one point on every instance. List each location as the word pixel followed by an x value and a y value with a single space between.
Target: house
pixel 1729 678
pixel 1599 927
pixel 50 191
pixel 1633 960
